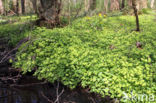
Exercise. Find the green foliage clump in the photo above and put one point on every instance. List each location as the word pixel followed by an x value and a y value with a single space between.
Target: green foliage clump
pixel 97 52
pixel 146 11
pixel 15 28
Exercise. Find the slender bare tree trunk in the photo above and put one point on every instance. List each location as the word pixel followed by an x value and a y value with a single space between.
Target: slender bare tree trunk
pixel 74 2
pixel 129 3
pixel 34 3
pixel 134 4
pixel 152 3
pixel 106 5
pixel 114 5
pixel 23 6
pixel 86 5
pixel 14 6
pixel 1 7
pixel 92 4
pixel 18 6
pixel 123 4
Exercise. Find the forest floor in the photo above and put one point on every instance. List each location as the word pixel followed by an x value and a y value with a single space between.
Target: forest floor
pixel 87 41
pixel 15 87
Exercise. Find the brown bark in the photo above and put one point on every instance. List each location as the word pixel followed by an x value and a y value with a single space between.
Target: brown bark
pixel 14 6
pixel 129 3
pixel 23 6
pixel 18 6
pixel 123 4
pixel 34 3
pixel 86 5
pixel 114 5
pixel 92 4
pixel 49 13
pixel 1 7
pixel 134 4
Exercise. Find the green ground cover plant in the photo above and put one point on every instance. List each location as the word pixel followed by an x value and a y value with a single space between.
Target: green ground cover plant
pixel 99 53
pixel 16 28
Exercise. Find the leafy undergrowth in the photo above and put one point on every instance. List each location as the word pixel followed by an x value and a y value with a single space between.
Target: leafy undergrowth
pixel 99 53
pixel 15 28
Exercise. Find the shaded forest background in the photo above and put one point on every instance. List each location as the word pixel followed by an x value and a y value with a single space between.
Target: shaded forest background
pixel 72 8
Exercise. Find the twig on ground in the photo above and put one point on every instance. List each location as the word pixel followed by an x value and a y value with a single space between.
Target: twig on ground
pixel 57 93
pixel 14 79
pixel 50 101
pixel 6 56
pixel 92 99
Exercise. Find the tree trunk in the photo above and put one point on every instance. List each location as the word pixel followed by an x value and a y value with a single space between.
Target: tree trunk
pixel 114 5
pixel 14 6
pixel 134 4
pixel 49 13
pixel 123 4
pixel 92 5
pixel 1 7
pixel 106 5
pixel 23 6
pixel 86 5
pixel 152 3
pixel 34 3
pixel 141 4
pixel 18 6
pixel 130 3
pixel 74 2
